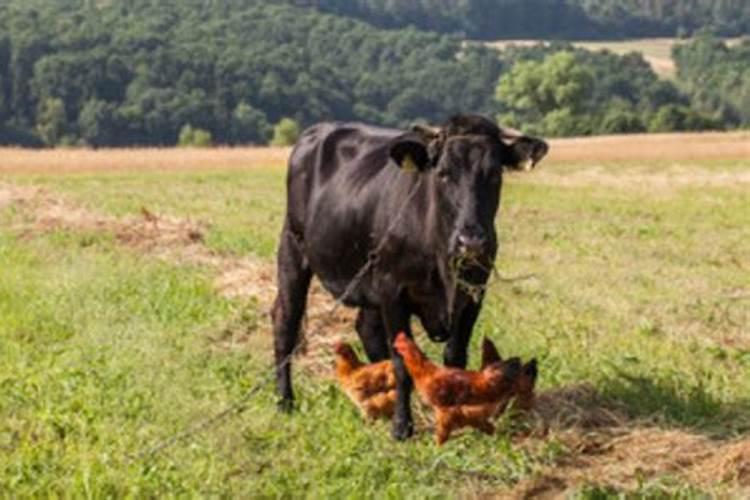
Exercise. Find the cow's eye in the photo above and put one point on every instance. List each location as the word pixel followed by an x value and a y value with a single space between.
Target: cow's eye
pixel 444 175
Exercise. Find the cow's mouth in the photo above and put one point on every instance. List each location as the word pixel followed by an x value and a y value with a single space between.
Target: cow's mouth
pixel 469 253
pixel 532 156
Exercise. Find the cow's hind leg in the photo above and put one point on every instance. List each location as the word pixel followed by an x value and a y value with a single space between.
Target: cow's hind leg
pixel 293 281
pixel 372 334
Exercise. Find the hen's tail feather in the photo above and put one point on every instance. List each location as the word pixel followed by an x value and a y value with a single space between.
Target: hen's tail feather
pixel 417 364
pixel 490 354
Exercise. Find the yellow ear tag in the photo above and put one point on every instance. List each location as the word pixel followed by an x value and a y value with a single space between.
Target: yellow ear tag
pixel 408 165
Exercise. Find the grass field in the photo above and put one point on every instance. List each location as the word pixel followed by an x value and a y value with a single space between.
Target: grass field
pixel 134 287
pixel 657 51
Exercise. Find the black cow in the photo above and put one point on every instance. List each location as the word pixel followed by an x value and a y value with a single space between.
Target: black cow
pixel 422 233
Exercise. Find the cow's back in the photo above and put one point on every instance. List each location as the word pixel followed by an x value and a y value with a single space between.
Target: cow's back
pixel 333 156
pixel 338 180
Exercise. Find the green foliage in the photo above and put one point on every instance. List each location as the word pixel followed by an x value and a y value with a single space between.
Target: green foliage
pixel 717 77
pixel 98 123
pixel 194 137
pixel 51 123
pixel 134 73
pixel 558 84
pixel 673 117
pixel 285 132
pixel 16 136
pixel 558 90
pixel 551 19
pixel 249 125
pixel 621 121
pixel 230 67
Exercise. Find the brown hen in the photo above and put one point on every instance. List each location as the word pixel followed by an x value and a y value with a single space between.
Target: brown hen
pixel 371 387
pixel 460 398
pixel 523 387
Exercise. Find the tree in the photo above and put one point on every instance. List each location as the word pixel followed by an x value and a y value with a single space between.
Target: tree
pixel 621 121
pixel 98 124
pixel 673 118
pixel 552 91
pixel 717 77
pixel 194 137
pixel 51 123
pixel 249 125
pixel 285 133
pixel 135 72
pixel 559 81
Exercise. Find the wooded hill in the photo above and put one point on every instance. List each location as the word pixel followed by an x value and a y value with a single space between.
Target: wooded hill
pixel 546 19
pixel 155 72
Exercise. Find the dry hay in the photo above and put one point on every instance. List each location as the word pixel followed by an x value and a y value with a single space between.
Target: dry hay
pixel 82 160
pixel 148 232
pixel 674 149
pixel 642 179
pixel 605 447
pixel 181 240
pixel 641 149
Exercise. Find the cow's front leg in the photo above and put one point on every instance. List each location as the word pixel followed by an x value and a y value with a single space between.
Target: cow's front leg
pixel 396 319
pixel 455 353
pixel 372 333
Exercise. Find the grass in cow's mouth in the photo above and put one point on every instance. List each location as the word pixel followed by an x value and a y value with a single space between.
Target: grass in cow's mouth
pixel 636 309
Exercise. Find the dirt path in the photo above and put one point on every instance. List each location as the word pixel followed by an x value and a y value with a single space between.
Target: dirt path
pixel 601 444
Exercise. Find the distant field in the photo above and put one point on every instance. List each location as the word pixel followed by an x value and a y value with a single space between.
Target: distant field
pixel 657 51
pixel 631 149
pixel 135 285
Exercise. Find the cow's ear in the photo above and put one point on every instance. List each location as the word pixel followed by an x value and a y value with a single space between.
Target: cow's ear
pixel 409 152
pixel 525 151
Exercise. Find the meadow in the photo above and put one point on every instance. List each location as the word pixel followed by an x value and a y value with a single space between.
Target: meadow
pixel 135 350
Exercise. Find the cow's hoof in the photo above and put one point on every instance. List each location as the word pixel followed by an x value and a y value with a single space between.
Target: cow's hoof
pixel 402 431
pixel 285 405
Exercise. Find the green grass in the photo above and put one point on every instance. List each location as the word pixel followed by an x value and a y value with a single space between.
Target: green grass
pixel 104 352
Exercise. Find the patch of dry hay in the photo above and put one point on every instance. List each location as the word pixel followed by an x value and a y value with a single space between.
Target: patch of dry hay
pixel 324 324
pixel 181 240
pixel 674 149
pixel 645 149
pixel 71 160
pixel 605 447
pixel 149 232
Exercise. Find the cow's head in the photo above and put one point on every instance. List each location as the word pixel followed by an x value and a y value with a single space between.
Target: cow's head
pixel 464 162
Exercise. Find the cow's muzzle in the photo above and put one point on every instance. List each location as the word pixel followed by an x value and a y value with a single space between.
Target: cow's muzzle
pixel 471 245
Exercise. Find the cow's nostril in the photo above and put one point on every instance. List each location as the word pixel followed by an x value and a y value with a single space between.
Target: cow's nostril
pixel 471 243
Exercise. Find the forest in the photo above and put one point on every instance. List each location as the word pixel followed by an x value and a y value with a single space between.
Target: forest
pixel 560 19
pixel 150 72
